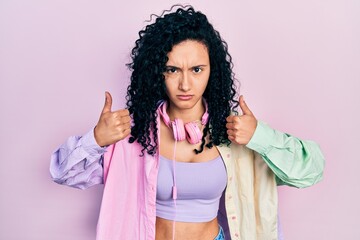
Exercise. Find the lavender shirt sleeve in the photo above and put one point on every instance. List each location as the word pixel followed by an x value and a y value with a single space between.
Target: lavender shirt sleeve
pixel 78 162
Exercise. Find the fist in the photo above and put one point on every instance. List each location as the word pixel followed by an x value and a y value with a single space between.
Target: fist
pixel 112 126
pixel 240 129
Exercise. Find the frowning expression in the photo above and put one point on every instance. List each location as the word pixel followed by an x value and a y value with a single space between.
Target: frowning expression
pixel 187 74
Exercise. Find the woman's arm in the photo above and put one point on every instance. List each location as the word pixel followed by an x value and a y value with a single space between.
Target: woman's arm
pixel 78 162
pixel 295 162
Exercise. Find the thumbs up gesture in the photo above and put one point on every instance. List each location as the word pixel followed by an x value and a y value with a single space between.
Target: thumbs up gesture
pixel 240 129
pixel 112 126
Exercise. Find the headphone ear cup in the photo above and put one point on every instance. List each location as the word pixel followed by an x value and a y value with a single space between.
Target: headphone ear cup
pixel 193 133
pixel 190 131
pixel 178 129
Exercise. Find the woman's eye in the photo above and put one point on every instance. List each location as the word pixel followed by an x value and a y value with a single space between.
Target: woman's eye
pixel 171 70
pixel 197 69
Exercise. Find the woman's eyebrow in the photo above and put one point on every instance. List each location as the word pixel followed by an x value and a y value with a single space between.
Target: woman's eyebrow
pixel 196 66
pixel 170 66
pixel 201 65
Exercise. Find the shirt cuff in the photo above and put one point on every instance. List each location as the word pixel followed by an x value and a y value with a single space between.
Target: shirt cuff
pixel 262 138
pixel 90 145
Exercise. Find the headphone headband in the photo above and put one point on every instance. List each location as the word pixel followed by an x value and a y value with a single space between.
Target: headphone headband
pixel 166 118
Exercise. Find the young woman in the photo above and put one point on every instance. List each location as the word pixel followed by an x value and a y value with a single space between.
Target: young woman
pixel 177 164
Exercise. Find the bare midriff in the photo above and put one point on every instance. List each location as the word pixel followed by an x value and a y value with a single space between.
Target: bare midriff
pixel 186 230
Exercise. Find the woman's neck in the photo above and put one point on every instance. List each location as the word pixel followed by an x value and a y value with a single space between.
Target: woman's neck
pixel 187 115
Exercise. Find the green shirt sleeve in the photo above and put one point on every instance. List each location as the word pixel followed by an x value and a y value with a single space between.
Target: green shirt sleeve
pixel 295 162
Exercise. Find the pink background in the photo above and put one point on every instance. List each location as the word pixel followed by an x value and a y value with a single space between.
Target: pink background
pixel 299 67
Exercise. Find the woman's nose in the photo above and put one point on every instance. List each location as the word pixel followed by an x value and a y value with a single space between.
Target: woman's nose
pixel 184 83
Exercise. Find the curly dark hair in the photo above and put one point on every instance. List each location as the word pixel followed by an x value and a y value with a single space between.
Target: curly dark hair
pixel 147 87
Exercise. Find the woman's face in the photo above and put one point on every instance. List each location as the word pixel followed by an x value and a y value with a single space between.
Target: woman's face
pixel 187 74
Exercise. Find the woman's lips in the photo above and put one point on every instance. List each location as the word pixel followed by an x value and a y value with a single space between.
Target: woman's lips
pixel 184 97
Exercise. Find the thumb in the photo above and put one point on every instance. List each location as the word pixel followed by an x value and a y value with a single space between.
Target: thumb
pixel 108 103
pixel 244 108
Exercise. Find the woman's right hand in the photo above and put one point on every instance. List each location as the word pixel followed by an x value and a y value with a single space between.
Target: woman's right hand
pixel 112 126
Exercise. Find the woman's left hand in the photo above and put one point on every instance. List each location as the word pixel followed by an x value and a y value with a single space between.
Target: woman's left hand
pixel 240 129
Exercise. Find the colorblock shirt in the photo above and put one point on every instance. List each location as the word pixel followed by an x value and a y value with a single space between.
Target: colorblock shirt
pixel 248 207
